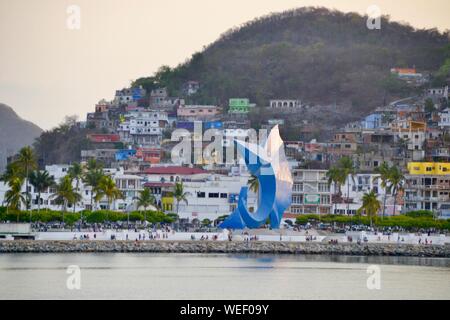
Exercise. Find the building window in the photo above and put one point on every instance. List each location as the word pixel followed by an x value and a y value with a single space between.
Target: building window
pixel 201 195
pixel 213 195
pixel 224 195
pixel 325 199
pixel 324 187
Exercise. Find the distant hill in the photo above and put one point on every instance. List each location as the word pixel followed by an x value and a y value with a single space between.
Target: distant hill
pixel 320 56
pixel 15 133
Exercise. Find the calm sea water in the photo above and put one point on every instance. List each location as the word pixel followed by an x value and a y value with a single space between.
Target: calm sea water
pixel 197 276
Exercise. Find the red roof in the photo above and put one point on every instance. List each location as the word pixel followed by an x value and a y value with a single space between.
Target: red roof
pixel 174 170
pixel 104 137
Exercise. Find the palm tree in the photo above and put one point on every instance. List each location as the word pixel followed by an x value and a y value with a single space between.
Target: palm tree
pixel 335 176
pixel 92 164
pixel 253 184
pixel 14 197
pixel 396 179
pixel 370 205
pixel 145 200
pixel 107 188
pixel 65 193
pixel 27 162
pixel 348 171
pixel 92 178
pixel 41 180
pixel 383 170
pixel 180 195
pixel 206 222
pixel 12 171
pixel 75 172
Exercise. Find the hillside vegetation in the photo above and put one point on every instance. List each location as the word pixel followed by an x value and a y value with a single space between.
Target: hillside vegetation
pixel 62 144
pixel 320 56
pixel 328 59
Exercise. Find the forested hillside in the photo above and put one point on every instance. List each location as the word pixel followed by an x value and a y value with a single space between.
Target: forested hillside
pixel 317 55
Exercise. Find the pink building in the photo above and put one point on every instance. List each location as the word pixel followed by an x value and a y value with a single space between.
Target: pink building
pixel 197 112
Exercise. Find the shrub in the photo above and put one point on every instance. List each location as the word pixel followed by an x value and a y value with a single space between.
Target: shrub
pixel 420 213
pixel 417 220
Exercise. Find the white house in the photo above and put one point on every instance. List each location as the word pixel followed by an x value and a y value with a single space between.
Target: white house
pixel 285 105
pixel 129 185
pixel 143 128
pixel 438 92
pixel 213 197
pixel 355 188
pixel 444 119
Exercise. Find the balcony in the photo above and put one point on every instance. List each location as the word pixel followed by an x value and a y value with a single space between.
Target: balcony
pixel 436 187
pixel 422 198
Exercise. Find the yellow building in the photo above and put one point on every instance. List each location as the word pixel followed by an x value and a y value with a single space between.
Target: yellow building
pixel 431 168
pixel 167 202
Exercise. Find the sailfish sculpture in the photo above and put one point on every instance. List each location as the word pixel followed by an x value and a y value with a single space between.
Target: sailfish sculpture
pixel 267 162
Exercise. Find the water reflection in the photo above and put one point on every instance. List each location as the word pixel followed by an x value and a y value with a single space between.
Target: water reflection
pixel 221 276
pixel 382 260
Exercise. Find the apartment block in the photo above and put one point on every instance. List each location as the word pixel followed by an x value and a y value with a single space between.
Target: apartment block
pixel 311 192
pixel 427 187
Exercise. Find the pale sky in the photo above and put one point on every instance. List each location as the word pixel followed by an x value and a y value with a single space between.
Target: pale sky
pixel 48 71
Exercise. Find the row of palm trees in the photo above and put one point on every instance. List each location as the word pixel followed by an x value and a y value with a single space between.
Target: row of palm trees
pixel 17 173
pixel 391 178
pixel 340 173
pixel 24 170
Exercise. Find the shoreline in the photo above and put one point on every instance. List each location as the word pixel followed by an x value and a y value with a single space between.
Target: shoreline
pixel 234 247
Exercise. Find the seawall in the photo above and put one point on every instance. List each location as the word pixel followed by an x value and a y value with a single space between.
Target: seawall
pixel 366 249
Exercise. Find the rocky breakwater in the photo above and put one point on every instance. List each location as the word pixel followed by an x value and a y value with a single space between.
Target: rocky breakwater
pixel 369 249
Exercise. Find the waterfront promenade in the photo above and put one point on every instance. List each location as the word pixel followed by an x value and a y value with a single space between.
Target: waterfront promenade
pixel 250 235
